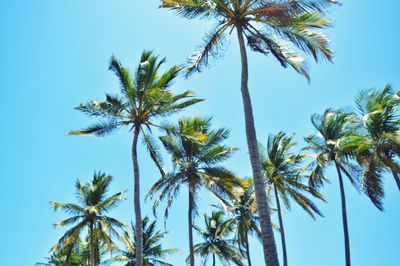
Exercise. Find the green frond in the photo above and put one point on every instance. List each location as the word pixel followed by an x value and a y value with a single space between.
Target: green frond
pixel 266 43
pixel 191 8
pixel 127 84
pixel 111 202
pixel 67 207
pixel 372 183
pixel 298 32
pixel 99 129
pixel 154 151
pixel 214 42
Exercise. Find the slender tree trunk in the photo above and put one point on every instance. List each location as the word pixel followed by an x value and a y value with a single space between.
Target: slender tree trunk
pixel 248 250
pixel 213 259
pixel 283 238
pixel 190 225
pixel 91 245
pixel 136 200
pixel 344 216
pixel 268 241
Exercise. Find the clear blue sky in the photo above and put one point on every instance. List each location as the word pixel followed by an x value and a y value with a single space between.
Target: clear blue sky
pixel 55 54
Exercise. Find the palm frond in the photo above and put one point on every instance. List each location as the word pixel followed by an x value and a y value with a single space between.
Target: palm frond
pixel 213 44
pixel 100 129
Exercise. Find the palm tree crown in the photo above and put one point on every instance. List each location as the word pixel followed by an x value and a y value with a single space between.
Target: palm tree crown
pixel 269 26
pixel 283 171
pixel 216 243
pixel 144 98
pixel 153 252
pixel 378 144
pixel 196 152
pixel 90 214
pixel 65 257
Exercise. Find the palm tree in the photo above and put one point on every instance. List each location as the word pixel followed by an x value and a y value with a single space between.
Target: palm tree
pixel 153 252
pixel 145 98
pixel 283 173
pixel 329 144
pixel 90 214
pixel 216 244
pixel 378 145
pixel 243 210
pixel 269 27
pixel 196 151
pixel 79 256
pixel 59 257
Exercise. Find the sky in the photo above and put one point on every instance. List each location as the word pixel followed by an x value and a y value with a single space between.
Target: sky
pixel 55 55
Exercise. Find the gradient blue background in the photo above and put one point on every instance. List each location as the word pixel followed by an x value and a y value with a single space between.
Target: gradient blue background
pixel 55 54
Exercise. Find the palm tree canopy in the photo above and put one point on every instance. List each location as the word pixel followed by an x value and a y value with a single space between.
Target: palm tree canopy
pixel 283 170
pixel 196 151
pixel 282 28
pixel 94 204
pixel 215 235
pixel 329 144
pixel 145 97
pixel 153 251
pixel 61 257
pixel 377 146
pixel 380 116
pixel 244 213
pixel 79 256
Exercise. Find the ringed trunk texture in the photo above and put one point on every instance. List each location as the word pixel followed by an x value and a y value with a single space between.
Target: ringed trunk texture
pixel 190 225
pixel 248 250
pixel 283 238
pixel 91 245
pixel 136 200
pixel 344 216
pixel 268 240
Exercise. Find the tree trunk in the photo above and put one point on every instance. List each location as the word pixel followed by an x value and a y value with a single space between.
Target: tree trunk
pixel 190 225
pixel 268 241
pixel 283 239
pixel 213 259
pixel 344 216
pixel 136 200
pixel 248 250
pixel 91 245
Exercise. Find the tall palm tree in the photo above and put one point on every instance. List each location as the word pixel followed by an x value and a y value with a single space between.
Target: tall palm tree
pixel 329 144
pixel 284 173
pixel 196 152
pixel 243 210
pixel 145 98
pixel 282 28
pixel 153 252
pixel 378 145
pixel 216 240
pixel 90 215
